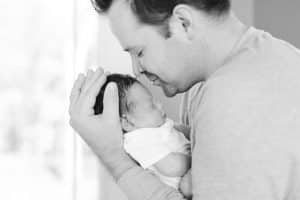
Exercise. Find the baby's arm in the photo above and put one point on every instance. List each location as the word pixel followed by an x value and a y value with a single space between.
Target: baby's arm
pixel 174 165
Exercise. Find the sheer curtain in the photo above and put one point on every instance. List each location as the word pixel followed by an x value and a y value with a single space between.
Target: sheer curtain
pixel 36 149
pixel 40 156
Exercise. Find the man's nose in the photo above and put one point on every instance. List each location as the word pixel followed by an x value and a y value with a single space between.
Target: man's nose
pixel 136 66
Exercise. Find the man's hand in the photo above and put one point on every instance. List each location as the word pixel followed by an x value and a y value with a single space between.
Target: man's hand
pixel 185 185
pixel 102 132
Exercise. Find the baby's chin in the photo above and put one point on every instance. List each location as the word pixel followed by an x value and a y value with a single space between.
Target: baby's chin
pixel 163 120
pixel 152 122
pixel 164 117
pixel 156 123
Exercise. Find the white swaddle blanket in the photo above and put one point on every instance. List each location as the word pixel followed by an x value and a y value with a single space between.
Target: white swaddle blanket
pixel 149 145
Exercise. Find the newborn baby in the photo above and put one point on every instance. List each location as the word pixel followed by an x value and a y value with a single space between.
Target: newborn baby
pixel 149 136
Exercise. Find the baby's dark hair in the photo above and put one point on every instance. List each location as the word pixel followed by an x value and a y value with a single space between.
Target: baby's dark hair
pixel 124 82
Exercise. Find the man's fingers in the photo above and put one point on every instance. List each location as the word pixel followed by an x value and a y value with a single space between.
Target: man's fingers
pixel 87 79
pixel 77 88
pixel 89 98
pixel 92 77
pixel 111 101
pixel 75 92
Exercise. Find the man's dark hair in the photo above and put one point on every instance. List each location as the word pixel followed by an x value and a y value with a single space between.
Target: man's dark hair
pixel 124 82
pixel 157 12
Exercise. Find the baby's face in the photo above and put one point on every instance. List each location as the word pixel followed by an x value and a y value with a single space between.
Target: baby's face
pixel 144 112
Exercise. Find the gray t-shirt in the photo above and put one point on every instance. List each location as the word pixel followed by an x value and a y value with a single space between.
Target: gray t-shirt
pixel 245 128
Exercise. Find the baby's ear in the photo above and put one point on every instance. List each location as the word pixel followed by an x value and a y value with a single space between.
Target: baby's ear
pixel 126 124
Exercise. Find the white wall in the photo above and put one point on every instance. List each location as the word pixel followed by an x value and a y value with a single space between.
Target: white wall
pixel 244 10
pixel 280 18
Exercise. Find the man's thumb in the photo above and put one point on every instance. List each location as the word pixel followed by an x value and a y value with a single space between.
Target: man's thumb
pixel 111 101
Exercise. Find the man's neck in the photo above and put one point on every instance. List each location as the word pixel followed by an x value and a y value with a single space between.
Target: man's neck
pixel 222 40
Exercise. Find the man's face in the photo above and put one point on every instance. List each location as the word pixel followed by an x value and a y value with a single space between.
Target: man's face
pixel 163 61
pixel 144 111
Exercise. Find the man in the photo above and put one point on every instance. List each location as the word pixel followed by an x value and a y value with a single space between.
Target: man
pixel 244 118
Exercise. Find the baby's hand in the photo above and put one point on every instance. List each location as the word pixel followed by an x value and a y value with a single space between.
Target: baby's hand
pixel 183 129
pixel 185 185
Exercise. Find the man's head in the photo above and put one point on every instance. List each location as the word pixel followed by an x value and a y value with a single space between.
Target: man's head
pixel 165 38
pixel 156 12
pixel 137 108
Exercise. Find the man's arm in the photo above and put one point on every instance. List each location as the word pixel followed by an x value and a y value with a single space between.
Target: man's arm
pixel 138 184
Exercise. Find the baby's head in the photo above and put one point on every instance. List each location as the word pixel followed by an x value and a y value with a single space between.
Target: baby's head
pixel 137 108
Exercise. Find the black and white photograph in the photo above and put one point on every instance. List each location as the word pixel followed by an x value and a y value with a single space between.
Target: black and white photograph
pixel 211 86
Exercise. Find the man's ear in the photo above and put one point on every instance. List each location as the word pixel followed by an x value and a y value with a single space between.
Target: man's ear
pixel 181 21
pixel 126 124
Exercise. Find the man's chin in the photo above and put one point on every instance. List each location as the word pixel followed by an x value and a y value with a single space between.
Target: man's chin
pixel 169 92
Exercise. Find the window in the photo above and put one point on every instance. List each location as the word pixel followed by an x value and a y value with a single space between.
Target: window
pixel 40 156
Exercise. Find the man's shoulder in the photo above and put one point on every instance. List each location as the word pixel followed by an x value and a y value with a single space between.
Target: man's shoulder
pixel 262 68
pixel 250 88
pixel 258 69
